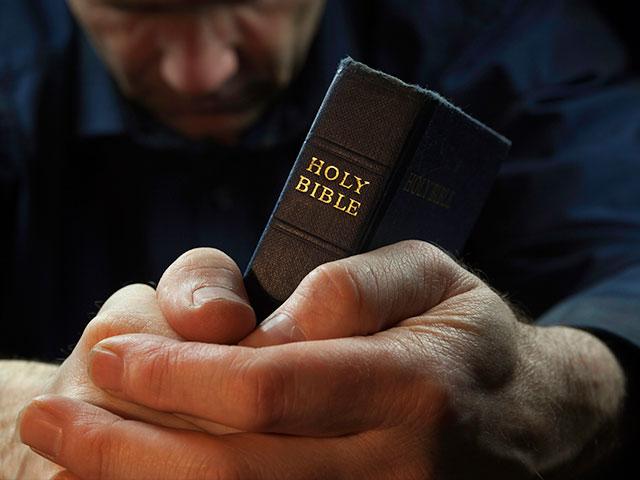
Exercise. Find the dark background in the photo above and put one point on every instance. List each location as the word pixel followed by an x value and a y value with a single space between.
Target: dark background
pixel 618 12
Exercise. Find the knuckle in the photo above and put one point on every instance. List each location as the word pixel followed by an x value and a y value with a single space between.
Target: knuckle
pixel 263 397
pixel 424 253
pixel 155 373
pixel 500 330
pixel 136 290
pixel 128 295
pixel 105 452
pixel 114 319
pixel 491 311
pixel 104 325
pixel 439 271
pixel 422 248
pixel 426 258
pixel 337 284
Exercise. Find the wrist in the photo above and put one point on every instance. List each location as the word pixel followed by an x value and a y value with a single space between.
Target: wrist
pixel 579 388
pixel 622 462
pixel 20 381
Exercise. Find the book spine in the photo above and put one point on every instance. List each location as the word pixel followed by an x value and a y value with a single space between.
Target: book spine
pixel 383 162
pixel 440 193
pixel 337 184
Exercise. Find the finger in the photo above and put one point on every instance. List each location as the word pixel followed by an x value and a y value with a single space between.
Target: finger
pixel 313 388
pixel 365 294
pixel 95 444
pixel 132 309
pixel 203 298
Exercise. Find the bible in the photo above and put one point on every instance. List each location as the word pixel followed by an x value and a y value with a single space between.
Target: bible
pixel 384 161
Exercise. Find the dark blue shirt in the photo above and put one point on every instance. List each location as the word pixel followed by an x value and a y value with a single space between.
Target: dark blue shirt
pixel 94 194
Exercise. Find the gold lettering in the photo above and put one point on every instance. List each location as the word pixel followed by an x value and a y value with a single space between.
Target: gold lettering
pixel 330 177
pixel 338 205
pixel 420 186
pixel 303 184
pixel 348 181
pixel 361 183
pixel 431 191
pixel 344 180
pixel 315 166
pixel 327 195
pixel 409 185
pixel 315 189
pixel 353 207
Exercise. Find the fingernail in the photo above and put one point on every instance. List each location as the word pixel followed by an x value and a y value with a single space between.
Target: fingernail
pixel 106 369
pixel 208 294
pixel 40 429
pixel 281 328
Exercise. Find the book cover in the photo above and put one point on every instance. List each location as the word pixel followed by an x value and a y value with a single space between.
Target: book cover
pixel 384 161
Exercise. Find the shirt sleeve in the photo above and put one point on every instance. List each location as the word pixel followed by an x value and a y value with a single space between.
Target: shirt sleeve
pixel 560 234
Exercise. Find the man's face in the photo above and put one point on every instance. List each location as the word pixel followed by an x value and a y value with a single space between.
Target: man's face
pixel 207 68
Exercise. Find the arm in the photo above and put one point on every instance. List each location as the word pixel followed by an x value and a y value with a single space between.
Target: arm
pixel 20 382
pixel 561 232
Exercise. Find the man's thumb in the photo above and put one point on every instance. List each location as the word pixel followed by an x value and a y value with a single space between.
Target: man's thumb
pixel 203 298
pixel 365 294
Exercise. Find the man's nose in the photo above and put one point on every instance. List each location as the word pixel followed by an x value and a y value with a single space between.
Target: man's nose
pixel 196 60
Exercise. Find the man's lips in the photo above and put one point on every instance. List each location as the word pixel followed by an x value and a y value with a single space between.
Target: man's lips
pixel 241 101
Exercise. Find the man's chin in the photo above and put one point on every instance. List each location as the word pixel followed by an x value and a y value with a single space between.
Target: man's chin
pixel 224 128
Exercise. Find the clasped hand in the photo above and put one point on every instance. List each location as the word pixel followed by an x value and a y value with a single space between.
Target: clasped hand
pixel 392 364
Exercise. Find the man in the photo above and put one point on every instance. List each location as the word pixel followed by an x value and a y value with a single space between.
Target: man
pixel 423 371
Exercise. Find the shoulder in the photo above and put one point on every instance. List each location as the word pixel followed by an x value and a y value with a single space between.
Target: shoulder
pixel 538 44
pixel 35 39
pixel 30 29
pixel 424 41
pixel 421 41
